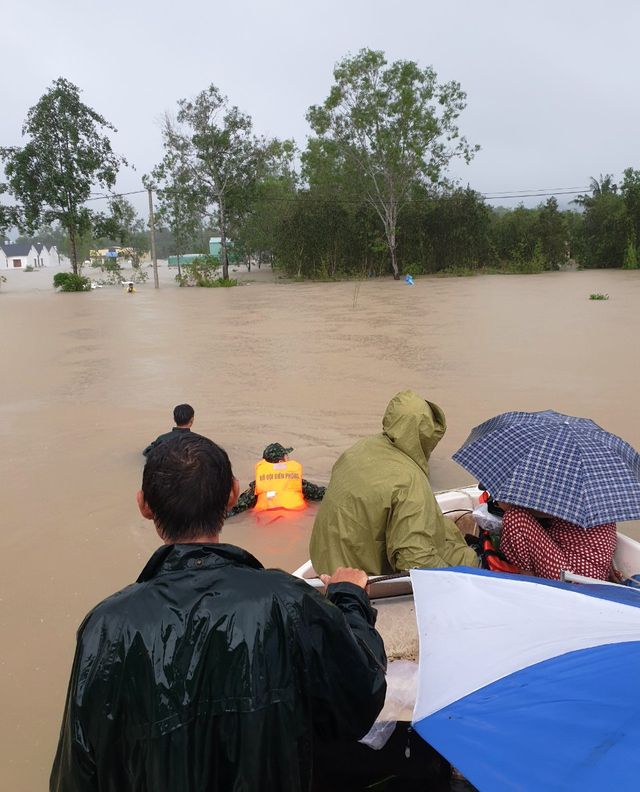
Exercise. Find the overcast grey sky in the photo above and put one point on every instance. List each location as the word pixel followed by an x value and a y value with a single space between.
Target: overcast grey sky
pixel 551 86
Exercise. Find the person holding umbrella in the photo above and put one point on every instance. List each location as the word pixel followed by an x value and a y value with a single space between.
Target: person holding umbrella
pixel 546 467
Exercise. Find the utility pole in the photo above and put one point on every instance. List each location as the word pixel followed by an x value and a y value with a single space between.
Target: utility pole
pixel 152 231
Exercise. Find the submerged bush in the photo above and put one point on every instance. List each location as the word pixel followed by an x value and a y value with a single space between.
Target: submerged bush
pixel 111 269
pixel 630 256
pixel 224 283
pixel 202 272
pixel 598 296
pixel 70 282
pixel 412 269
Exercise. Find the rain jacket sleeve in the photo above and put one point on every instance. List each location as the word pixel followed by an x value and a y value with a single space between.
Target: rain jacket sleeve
pixel 347 666
pixel 74 768
pixel 414 532
pixel 418 535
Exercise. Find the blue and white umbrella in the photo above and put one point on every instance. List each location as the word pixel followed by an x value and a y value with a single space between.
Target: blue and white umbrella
pixel 529 684
pixel 564 466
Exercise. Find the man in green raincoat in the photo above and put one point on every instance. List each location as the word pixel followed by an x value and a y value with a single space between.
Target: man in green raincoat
pixel 379 512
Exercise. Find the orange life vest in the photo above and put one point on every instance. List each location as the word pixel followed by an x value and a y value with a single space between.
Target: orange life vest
pixel 279 485
pixel 493 559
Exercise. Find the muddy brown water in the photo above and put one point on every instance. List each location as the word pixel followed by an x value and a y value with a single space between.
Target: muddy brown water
pixel 89 379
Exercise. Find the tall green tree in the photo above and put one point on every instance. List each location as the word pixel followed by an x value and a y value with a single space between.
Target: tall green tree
pixel 257 233
pixel 605 224
pixel 122 227
pixel 553 233
pixel 600 188
pixel 9 215
pixel 630 191
pixel 68 152
pixel 515 234
pixel 222 158
pixel 180 206
pixel 397 126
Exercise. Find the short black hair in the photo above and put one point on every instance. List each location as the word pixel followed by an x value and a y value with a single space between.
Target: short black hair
pixel 182 414
pixel 186 483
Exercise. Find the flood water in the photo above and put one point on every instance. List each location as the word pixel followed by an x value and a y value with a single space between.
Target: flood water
pixel 89 379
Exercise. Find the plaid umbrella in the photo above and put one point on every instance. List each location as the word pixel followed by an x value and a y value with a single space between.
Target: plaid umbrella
pixel 564 466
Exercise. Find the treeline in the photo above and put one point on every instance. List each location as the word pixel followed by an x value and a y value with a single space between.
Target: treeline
pixel 369 194
pixel 311 235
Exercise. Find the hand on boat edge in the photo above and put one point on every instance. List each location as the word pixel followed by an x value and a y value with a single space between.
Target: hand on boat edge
pixel 347 575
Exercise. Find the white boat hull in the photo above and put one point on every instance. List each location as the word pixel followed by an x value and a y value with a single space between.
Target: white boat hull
pixel 393 597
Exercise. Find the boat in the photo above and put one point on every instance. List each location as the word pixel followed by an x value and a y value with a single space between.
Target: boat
pixel 392 596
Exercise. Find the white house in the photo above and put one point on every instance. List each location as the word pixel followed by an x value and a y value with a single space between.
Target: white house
pixel 19 256
pixel 47 256
pixel 25 255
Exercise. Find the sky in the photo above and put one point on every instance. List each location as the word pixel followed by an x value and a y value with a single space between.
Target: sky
pixel 551 85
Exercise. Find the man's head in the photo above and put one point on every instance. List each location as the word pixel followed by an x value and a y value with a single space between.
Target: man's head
pixel 183 415
pixel 187 489
pixel 275 452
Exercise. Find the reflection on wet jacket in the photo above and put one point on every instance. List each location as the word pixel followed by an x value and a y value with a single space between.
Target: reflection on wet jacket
pixel 247 499
pixel 212 673
pixel 177 431
pixel 379 512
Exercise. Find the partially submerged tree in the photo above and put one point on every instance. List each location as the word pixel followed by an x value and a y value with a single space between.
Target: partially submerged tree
pixel 396 125
pixel 121 228
pixel 605 223
pixel 552 233
pixel 223 160
pixel 66 155
pixel 180 207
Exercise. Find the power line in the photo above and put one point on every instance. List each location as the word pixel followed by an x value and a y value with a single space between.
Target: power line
pixel 539 190
pixel 497 196
pixel 534 194
pixel 108 196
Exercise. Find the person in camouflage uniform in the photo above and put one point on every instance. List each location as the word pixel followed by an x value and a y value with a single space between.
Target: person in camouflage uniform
pixel 273 453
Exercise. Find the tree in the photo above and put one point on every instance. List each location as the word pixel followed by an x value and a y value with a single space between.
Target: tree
pixel 257 234
pixel 630 191
pixel 127 229
pixel 552 233
pixel 605 224
pixel 630 256
pixel 515 235
pixel 9 215
pixel 66 155
pixel 49 235
pixel 396 125
pixel 600 188
pixel 180 207
pixel 223 159
pixel 606 231
pixel 123 228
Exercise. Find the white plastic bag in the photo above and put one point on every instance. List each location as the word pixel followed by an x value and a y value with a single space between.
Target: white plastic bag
pixel 486 520
pixel 402 685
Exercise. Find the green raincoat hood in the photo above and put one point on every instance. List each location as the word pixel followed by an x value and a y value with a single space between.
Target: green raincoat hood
pixel 414 426
pixel 379 512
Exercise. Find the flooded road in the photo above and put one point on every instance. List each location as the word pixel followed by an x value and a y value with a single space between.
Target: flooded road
pixel 89 379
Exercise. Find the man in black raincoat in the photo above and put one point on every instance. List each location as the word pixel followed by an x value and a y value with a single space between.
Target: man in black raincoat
pixel 183 416
pixel 211 672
